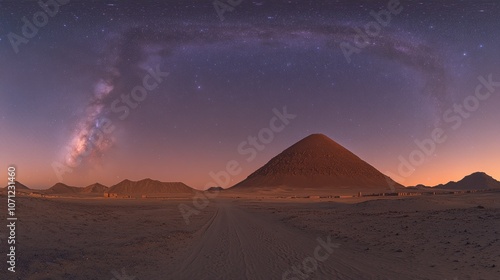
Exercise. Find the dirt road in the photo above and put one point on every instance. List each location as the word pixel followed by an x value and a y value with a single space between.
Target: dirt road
pixel 435 238
pixel 240 244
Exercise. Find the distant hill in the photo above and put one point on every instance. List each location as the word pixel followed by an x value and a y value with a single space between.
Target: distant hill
pixel 61 188
pixel 419 187
pixel 214 189
pixel 318 162
pixel 19 186
pixel 474 181
pixel 149 187
pixel 126 187
pixel 95 188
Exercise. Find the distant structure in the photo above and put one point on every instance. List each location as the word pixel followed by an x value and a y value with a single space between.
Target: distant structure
pixel 36 194
pixel 107 194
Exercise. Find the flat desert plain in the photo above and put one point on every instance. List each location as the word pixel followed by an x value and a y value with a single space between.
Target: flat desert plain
pixel 425 237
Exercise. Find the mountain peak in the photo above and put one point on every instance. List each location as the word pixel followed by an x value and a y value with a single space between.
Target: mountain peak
pixel 474 181
pixel 19 186
pixel 149 186
pixel 317 142
pixel 147 180
pixel 95 188
pixel 62 188
pixel 316 137
pixel 317 161
pixel 478 174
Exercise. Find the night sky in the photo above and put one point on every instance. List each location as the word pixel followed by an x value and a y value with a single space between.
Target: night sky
pixel 74 104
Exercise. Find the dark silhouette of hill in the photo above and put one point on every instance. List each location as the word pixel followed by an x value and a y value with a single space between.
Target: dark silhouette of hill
pixel 148 187
pixel 95 188
pixel 61 188
pixel 19 186
pixel 474 181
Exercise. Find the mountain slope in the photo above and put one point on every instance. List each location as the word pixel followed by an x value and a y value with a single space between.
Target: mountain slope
pixel 318 161
pixel 474 181
pixel 61 188
pixel 95 188
pixel 148 186
pixel 19 186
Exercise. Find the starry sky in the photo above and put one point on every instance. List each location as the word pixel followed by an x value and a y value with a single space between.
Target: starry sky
pixel 171 90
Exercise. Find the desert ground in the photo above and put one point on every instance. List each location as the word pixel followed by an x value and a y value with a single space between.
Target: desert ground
pixel 434 237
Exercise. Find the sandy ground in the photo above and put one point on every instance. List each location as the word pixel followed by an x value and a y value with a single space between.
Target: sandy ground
pixel 434 237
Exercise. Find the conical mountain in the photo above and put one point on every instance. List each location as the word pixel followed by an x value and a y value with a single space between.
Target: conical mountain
pixel 474 181
pixel 318 162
